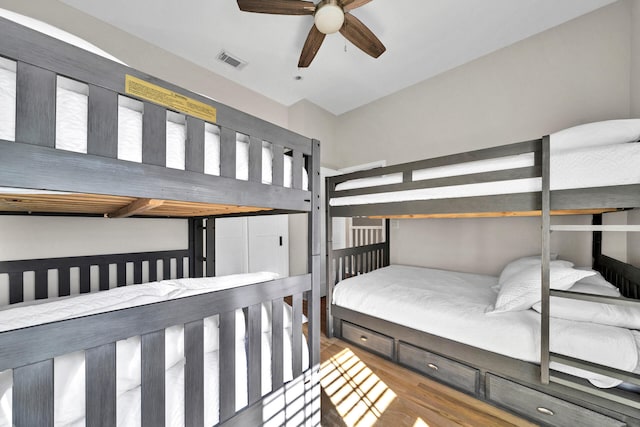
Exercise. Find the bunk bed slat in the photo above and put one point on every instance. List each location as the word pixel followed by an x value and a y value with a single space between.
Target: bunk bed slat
pixel 137 272
pixel 227 364
pixel 278 165
pixel 100 391
pixel 194 147
pixel 121 268
pixel 180 268
pixel 277 343
pixel 154 135
pixel 227 152
pixel 254 352
pixel 85 279
pixel 103 277
pixel 297 169
pixel 42 285
pixel 211 247
pixel 255 159
pixel 166 268
pixel 102 137
pixel 153 376
pixel 194 374
pixel 296 334
pixel 33 394
pixel 16 287
pixel 35 105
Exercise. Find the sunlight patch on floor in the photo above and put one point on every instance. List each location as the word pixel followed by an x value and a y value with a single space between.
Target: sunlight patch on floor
pixel 420 423
pixel 359 396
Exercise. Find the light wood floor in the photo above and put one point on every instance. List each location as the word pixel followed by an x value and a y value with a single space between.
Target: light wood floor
pixel 363 390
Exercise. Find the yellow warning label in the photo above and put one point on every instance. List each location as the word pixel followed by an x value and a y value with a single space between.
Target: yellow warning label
pixel 167 98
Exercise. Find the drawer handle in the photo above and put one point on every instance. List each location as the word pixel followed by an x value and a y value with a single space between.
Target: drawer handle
pixel 432 366
pixel 363 338
pixel 545 411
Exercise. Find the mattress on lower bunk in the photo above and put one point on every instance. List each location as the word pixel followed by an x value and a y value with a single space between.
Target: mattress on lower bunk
pixel 453 305
pixel 69 369
pixel 584 156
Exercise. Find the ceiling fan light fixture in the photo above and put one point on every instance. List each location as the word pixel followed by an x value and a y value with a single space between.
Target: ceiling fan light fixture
pixel 329 17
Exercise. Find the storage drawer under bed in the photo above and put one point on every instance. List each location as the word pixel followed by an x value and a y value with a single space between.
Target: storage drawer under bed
pixel 543 408
pixel 378 343
pixel 433 365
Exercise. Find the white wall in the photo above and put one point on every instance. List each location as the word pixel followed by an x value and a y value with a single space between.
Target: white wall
pixel 25 237
pixel 575 73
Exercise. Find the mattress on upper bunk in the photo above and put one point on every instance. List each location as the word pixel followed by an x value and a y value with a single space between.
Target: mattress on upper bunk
pixel 593 155
pixel 69 369
pixel 455 306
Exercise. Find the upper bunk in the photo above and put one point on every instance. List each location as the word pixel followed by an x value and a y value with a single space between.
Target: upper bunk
pixel 83 134
pixel 587 169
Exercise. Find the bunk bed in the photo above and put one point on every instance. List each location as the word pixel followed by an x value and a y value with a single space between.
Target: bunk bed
pixel 83 135
pixel 547 366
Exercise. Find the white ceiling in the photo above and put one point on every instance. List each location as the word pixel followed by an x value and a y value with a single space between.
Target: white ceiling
pixel 423 38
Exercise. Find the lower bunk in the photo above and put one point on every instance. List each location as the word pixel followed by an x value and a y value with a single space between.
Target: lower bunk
pixel 453 327
pixel 175 352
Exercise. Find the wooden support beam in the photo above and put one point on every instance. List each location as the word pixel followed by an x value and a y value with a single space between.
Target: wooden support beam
pixel 136 207
pixel 496 214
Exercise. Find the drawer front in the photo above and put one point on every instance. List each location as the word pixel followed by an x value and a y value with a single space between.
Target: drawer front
pixel 544 408
pixel 367 338
pixel 446 370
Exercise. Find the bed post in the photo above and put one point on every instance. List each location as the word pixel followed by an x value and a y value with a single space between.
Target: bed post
pixel 546 255
pixel 329 187
pixel 596 248
pixel 313 296
pixel 387 242
pixel 196 248
pixel 211 246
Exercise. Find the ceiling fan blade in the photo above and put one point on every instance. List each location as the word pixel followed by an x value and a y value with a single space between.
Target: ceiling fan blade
pixel 278 7
pixel 348 5
pixel 361 36
pixel 311 47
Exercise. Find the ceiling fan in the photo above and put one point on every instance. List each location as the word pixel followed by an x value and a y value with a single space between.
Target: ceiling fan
pixel 329 16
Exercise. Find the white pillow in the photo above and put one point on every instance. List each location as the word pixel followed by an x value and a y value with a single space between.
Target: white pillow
pixel 520 264
pixel 608 132
pixel 596 280
pixel 594 312
pixel 522 290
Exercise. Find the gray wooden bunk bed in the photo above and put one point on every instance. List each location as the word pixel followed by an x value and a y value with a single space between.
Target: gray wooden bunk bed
pixel 37 177
pixel 531 390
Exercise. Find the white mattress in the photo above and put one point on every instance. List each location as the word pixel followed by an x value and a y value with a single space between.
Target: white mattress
pixel 72 122
pixel 69 370
pixel 594 166
pixel 452 305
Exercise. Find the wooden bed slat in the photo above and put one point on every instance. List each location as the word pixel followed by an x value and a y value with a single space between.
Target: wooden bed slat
pixel 102 137
pixel 121 268
pixel 297 169
pixel 180 268
pixel 496 214
pixel 227 364
pixel 277 342
pixel 103 275
pixel 33 394
pixel 194 147
pixel 153 379
pixel 194 374
pixel 16 287
pixel 255 159
pixel 100 391
pixel 153 269
pixel 296 334
pixel 35 105
pixel 166 268
pixel 154 135
pixel 254 352
pixel 137 272
pixel 137 207
pixel 42 284
pixel 227 152
pixel 85 279
pixel 277 165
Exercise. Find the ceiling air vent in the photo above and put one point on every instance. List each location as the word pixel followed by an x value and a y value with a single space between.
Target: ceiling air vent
pixel 232 60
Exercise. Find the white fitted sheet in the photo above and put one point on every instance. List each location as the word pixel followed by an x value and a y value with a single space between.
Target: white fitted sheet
pixel 69 404
pixel 453 304
pixel 595 166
